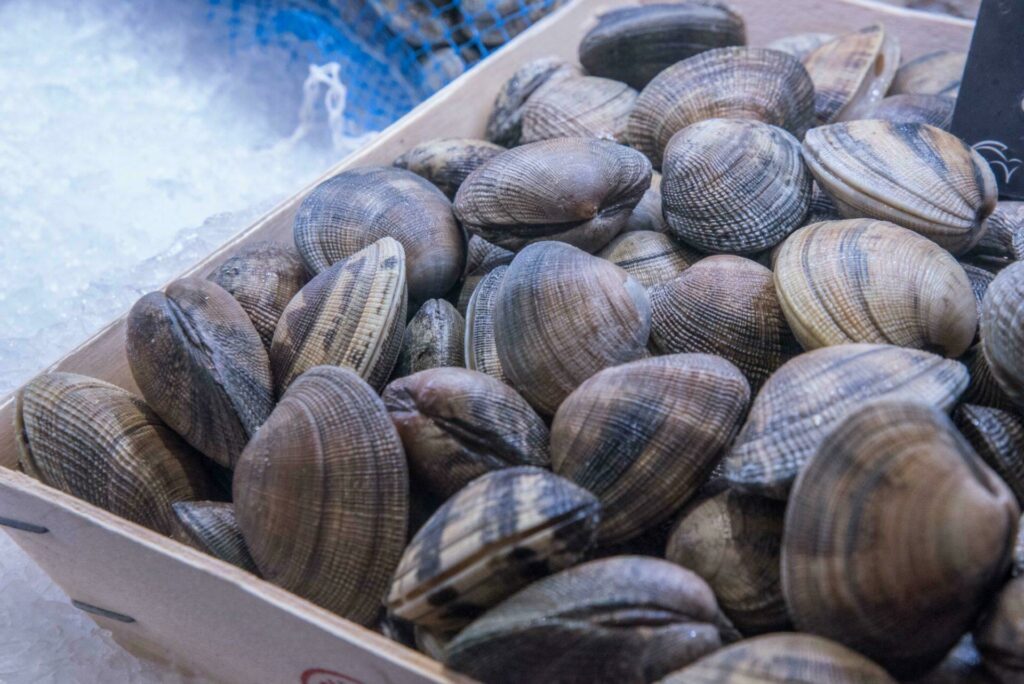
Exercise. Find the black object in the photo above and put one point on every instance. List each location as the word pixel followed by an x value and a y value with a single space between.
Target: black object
pixel 102 612
pixel 990 109
pixel 23 526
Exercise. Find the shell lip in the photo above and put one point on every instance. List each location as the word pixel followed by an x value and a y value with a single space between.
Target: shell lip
pixel 627 615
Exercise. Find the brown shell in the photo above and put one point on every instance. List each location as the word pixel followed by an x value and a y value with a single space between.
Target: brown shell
pixel 211 527
pixel 457 424
pixel 481 350
pixel 352 314
pixel 263 278
pixel 446 162
pixel 502 531
pixel 434 338
pixel 681 410
pixel 483 257
pixel 646 215
pixel 504 126
pixel 936 73
pixel 201 366
pixel 998 437
pixel 1002 333
pixel 104 445
pixel 1000 637
pixel 936 110
pixel 801 44
pixel 724 305
pixel 808 396
pixel 580 106
pixel 983 389
pixel 901 590
pixel 321 494
pixel 576 190
pixel 732 83
pixel 351 211
pixel 650 257
pixel 561 315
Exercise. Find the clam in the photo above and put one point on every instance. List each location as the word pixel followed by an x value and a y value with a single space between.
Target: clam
pixel 734 541
pixel 646 215
pixel 734 186
pixel 351 211
pixel 1001 230
pixel 983 388
pixel 504 126
pixel 980 279
pixel 913 175
pixel 211 527
pixel 502 531
pixel 634 44
pixel 801 44
pixel 321 494
pixel 457 424
pixel 729 83
pixel 936 110
pixel 626 619
pixel 1000 637
pixel 998 437
pixel 434 338
pixel 872 281
pixel 936 73
pixel 446 162
pixel 263 278
pixel 821 208
pixel 580 106
pixel 482 258
pixel 649 257
pixel 201 366
pixel 811 394
pixel 724 305
pixel 644 436
pixel 481 350
pixel 560 316
pixel 782 659
pixel 105 446
pixel 1002 331
pixel 576 190
pixel 852 73
pixel 350 315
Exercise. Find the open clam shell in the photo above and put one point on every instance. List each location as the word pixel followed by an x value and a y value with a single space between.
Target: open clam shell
pixel 434 338
pixel 1002 331
pixel 504 126
pixel 649 257
pixel 580 106
pixel 998 437
pixel 211 526
pixel 446 162
pixel 481 350
pixel 936 73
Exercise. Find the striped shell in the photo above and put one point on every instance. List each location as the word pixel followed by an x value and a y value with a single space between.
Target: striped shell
pixel 502 531
pixel 998 437
pixel 1001 229
pixel 822 208
pixel 579 106
pixel 936 73
pixel 649 257
pixel 983 389
pixel 980 279
pixel 646 215
pixel 801 44
pixel 446 162
pixel 936 110
pixel 434 338
pixel 504 126
pixel 211 527
pixel 481 351
pixel 483 257
pixel 1000 637
pixel 1002 331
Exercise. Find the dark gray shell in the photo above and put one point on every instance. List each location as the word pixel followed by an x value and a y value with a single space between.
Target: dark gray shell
pixel 482 258
pixel 504 126
pixel 211 527
pixel 650 257
pixel 434 338
pixel 983 389
pixel 582 106
pixel 998 437
pixel 446 162
pixel 936 110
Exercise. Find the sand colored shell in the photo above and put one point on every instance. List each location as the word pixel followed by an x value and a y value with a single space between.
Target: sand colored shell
pixel 731 83
pixel 560 316
pixel 983 389
pixel 321 494
pixel 352 314
pixel 481 350
pixel 811 394
pixel 434 338
pixel 446 162
pixel 1000 637
pixel 499 533
pixel 936 73
pixel 105 446
pixel 871 281
pixel 211 527
pixel 998 437
pixel 580 106
pixel 504 126
pixel 649 257
pixel 201 366
pixel 646 215
pixel 913 175
pixel 1002 331
pixel 734 186
pixel 801 44
pixel 936 110
pixel 895 533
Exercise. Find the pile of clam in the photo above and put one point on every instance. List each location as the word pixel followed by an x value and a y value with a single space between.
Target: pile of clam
pixel 546 415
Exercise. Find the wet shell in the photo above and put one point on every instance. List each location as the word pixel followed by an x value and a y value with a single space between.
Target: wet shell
pixel 634 44
pixel 808 396
pixel 646 215
pixel 983 388
pixel 499 533
pixel 446 162
pixel 998 437
pixel 458 424
pixel 561 315
pixel 352 314
pixel 913 175
pixel 504 126
pixel 626 619
pixel 104 445
pixel 734 541
pixel 936 73
pixel 936 110
pixel 481 351
pixel 852 73
pixel 730 83
pixel 871 281
pixel 483 257
pixel 822 208
pixel 263 278
pixel 1002 331
pixel 649 257
pixel 1000 637
pixel 321 494
pixel 434 338
pixel 354 209
pixel 895 533
pixel 211 526
pixel 1001 229
pixel 576 190
pixel 801 44
pixel 201 366
pixel 724 305
pixel 734 186
pixel 582 106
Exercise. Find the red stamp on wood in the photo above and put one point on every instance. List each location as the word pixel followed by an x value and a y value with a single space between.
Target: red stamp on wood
pixel 320 676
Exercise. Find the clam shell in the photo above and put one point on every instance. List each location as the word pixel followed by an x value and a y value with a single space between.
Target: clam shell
pixel 350 315
pixel 211 527
pixel 936 110
pixel 502 531
pixel 724 305
pixel 504 126
pixel 980 279
pixel 646 215
pixel 983 389
pixel 808 396
pixel 731 83
pixel 576 190
pixel 580 106
pixel 634 44
pixel 434 338
pixel 481 351
pixel 649 257
pixel 351 211
pixel 1000 637
pixel 560 316
pixel 201 366
pixel 901 590
pixel 1002 331
pixel 623 619
pixel 483 257
pixel 498 21
pixel 871 281
pixel 821 208
pixel 913 175
pixel 936 73
pixel 734 186
pixel 800 45
pixel 681 410
pixel 419 23
pixel 105 446
pixel 446 162
pixel 457 424
pixel 321 494
pixel 998 437
pixel 1001 229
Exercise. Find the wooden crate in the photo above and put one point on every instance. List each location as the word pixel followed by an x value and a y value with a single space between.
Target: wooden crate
pixel 166 601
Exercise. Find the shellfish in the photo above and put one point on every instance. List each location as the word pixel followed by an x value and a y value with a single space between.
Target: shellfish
pixel 650 257
pixel 434 338
pixel 580 106
pixel 211 526
pixel 1002 333
pixel 446 162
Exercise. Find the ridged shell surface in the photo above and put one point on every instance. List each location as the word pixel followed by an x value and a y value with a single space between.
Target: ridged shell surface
pixel 483 257
pixel 649 257
pixel 581 106
pixel 983 389
pixel 481 350
pixel 212 527
pixel 936 110
pixel 998 437
pixel 980 279
pixel 446 162
pixel 936 73
pixel 1001 227
pixel 504 125
pixel 434 338
pixel 1002 331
